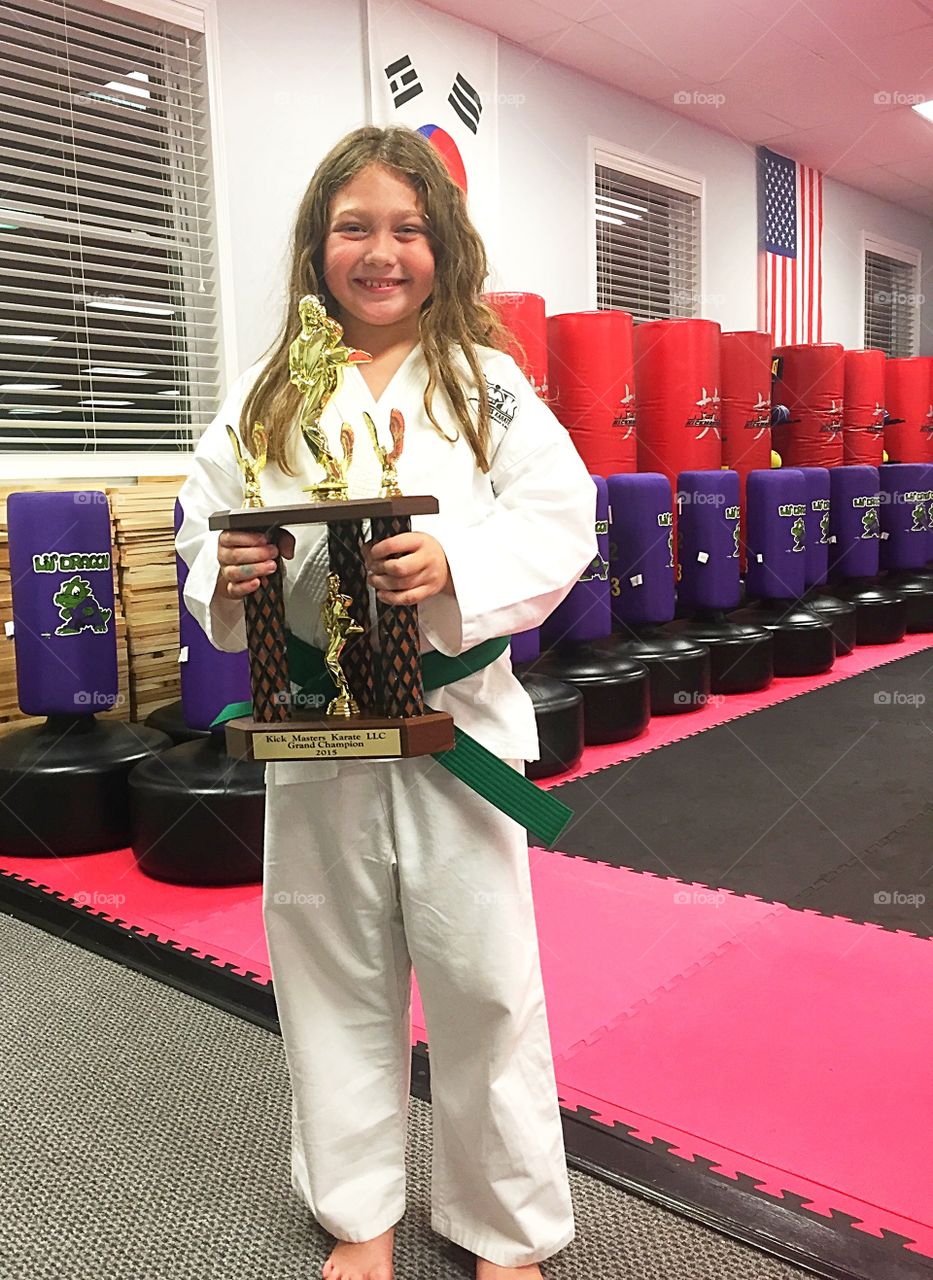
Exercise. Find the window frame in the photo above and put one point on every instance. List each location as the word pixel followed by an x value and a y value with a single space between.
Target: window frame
pixel 124 466
pixel 637 164
pixel 908 255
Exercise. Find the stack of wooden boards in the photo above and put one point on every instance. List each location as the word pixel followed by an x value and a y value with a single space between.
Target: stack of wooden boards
pixel 144 542
pixel 145 590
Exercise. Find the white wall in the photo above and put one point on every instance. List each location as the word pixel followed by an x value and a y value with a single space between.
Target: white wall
pixel 291 87
pixel 292 84
pixel 847 214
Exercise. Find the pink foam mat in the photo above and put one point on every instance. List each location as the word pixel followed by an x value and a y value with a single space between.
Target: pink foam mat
pixel 791 1047
pixel 782 1044
pixel 798 1054
pixel 224 924
pixel 663 730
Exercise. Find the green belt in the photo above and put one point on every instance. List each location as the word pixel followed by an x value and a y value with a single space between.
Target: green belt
pixel 543 814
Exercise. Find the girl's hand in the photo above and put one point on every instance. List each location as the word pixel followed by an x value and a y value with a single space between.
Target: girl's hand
pixel 245 558
pixel 407 568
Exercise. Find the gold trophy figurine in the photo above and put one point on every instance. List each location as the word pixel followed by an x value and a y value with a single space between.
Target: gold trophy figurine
pixel 388 457
pixel 250 465
pixel 339 625
pixel 316 363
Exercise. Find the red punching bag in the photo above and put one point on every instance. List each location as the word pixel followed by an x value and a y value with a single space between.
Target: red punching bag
pixel 810 380
pixel 907 436
pixel 523 316
pixel 863 408
pixel 591 364
pixel 677 400
pixel 745 369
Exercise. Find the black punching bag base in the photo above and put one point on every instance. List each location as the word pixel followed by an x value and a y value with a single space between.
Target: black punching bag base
pixel 916 587
pixel 803 642
pixel 880 613
pixel 170 719
pixel 678 666
pixel 559 719
pixel 198 815
pixel 840 614
pixel 64 784
pixel 616 691
pixel 741 656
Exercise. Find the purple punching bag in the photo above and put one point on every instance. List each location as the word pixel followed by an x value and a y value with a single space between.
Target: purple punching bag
pixel 585 613
pixel 66 781
pixel 840 614
pixel 803 643
pixel 708 531
pixel 641 549
pixel 63 605
pixel 906 514
pixel 579 649
pixel 816 558
pixel 641 566
pixel 525 646
pixel 854 557
pixel 219 840
pixel 210 678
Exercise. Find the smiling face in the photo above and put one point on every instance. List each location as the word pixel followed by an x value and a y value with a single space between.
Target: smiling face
pixel 378 261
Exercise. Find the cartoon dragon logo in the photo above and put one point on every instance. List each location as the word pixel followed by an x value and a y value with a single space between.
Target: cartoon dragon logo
pixel 79 609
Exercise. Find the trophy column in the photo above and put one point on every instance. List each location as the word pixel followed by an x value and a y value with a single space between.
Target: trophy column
pixel 268 656
pixel 402 688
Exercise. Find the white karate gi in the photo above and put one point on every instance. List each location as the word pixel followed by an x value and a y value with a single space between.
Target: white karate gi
pixel 371 866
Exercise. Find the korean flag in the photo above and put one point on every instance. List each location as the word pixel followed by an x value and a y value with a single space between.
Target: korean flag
pixel 439 75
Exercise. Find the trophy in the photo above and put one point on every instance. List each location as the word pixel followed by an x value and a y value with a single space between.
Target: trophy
pixel 369 676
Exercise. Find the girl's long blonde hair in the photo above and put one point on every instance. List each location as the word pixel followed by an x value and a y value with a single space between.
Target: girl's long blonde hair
pixel 452 316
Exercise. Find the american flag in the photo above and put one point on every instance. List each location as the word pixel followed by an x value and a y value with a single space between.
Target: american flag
pixel 790 244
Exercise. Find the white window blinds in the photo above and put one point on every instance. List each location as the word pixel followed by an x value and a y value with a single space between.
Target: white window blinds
pixel 891 304
pixel 647 245
pixel 108 317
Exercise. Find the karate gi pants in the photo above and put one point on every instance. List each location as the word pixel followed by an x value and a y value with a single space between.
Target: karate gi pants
pixel 385 866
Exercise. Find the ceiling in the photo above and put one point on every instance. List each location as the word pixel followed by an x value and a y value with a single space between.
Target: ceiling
pixel 827 82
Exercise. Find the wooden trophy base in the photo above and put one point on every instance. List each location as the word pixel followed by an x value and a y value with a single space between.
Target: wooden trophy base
pixel 340 738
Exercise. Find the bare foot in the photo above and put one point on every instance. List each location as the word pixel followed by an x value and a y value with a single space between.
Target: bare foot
pixel 368 1260
pixel 491 1271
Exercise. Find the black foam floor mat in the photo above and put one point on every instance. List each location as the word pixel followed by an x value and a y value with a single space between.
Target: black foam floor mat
pixel 824 801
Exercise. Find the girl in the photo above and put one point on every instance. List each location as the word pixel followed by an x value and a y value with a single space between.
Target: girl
pixel 372 866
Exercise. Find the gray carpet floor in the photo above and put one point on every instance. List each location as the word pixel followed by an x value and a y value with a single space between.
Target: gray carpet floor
pixel 144 1136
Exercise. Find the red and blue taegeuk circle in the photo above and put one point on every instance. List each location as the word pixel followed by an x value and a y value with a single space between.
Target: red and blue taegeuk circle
pixel 448 151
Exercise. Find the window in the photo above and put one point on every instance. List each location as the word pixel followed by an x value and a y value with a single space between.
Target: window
pixel 892 297
pixel 647 232
pixel 108 316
